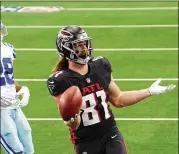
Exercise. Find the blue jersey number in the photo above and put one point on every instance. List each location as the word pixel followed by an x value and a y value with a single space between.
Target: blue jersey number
pixel 7 69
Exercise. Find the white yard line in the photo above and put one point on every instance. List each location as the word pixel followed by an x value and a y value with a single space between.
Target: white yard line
pixel 118 119
pixel 149 79
pixel 103 49
pixel 102 26
pixel 141 79
pixel 121 9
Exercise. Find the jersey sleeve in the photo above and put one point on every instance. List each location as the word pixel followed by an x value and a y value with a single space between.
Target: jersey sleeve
pixel 106 64
pixel 56 85
pixel 11 50
pixel 14 53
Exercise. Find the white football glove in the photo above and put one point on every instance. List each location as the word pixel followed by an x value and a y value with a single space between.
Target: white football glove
pixel 25 94
pixel 156 89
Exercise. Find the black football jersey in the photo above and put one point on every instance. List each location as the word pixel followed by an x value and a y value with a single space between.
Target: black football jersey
pixel 97 117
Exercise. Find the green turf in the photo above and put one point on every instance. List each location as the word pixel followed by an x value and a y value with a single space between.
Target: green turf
pixel 147 138
pixel 114 38
pixel 142 137
pixel 158 106
pixel 92 18
pixel 157 137
pixel 92 4
pixel 132 64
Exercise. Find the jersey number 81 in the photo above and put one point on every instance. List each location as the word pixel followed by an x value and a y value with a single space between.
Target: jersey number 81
pixel 91 109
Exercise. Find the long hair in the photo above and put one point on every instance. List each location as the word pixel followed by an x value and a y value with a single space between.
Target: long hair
pixel 63 62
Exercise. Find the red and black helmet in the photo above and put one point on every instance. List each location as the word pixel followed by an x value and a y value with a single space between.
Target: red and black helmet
pixel 67 37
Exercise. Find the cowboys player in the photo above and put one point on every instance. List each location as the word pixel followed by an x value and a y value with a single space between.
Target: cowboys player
pixel 95 130
pixel 15 134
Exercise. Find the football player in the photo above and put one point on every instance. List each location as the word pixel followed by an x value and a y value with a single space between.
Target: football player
pixel 15 135
pixel 94 131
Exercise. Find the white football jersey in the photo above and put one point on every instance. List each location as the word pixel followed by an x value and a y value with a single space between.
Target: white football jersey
pixel 8 90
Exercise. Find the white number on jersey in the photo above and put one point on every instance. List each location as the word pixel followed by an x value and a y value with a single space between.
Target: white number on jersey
pixel 90 109
pixel 6 72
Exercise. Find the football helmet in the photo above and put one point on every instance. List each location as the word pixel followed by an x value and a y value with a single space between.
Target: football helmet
pixel 3 31
pixel 67 41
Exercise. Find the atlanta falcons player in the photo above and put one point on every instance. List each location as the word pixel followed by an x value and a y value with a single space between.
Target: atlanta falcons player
pixel 94 131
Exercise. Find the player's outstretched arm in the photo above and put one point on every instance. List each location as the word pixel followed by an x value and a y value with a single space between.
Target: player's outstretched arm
pixel 127 98
pixel 23 91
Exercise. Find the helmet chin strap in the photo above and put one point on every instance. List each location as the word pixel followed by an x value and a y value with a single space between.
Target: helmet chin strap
pixel 83 61
pixel 80 60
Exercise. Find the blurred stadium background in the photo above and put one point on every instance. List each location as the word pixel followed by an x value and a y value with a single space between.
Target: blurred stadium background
pixel 143 136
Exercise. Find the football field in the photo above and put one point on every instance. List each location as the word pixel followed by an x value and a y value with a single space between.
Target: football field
pixel 141 41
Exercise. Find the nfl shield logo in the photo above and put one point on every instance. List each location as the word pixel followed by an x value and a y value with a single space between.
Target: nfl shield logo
pixel 88 80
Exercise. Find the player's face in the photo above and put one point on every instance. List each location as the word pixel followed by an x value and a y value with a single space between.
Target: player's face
pixel 81 49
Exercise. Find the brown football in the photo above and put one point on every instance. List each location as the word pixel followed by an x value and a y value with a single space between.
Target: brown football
pixel 70 103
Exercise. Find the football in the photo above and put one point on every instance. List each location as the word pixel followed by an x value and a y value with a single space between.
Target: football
pixel 70 103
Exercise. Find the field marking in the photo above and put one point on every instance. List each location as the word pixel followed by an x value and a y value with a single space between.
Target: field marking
pixel 117 119
pixel 120 9
pixel 103 49
pixel 101 26
pixel 147 79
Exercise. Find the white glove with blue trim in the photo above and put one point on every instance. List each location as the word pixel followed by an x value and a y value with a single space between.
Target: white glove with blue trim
pixel 156 89
pixel 24 93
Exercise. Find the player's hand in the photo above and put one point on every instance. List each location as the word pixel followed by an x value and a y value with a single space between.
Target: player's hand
pixel 74 123
pixel 156 89
pixel 24 94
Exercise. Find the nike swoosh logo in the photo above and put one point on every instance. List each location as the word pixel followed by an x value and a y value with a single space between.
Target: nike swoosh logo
pixel 114 136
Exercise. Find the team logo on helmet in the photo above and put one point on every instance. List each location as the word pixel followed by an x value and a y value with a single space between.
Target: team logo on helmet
pixel 67 40
pixel 65 35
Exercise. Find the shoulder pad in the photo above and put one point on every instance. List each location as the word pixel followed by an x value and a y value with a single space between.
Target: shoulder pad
pixel 96 58
pixel 11 48
pixel 103 61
